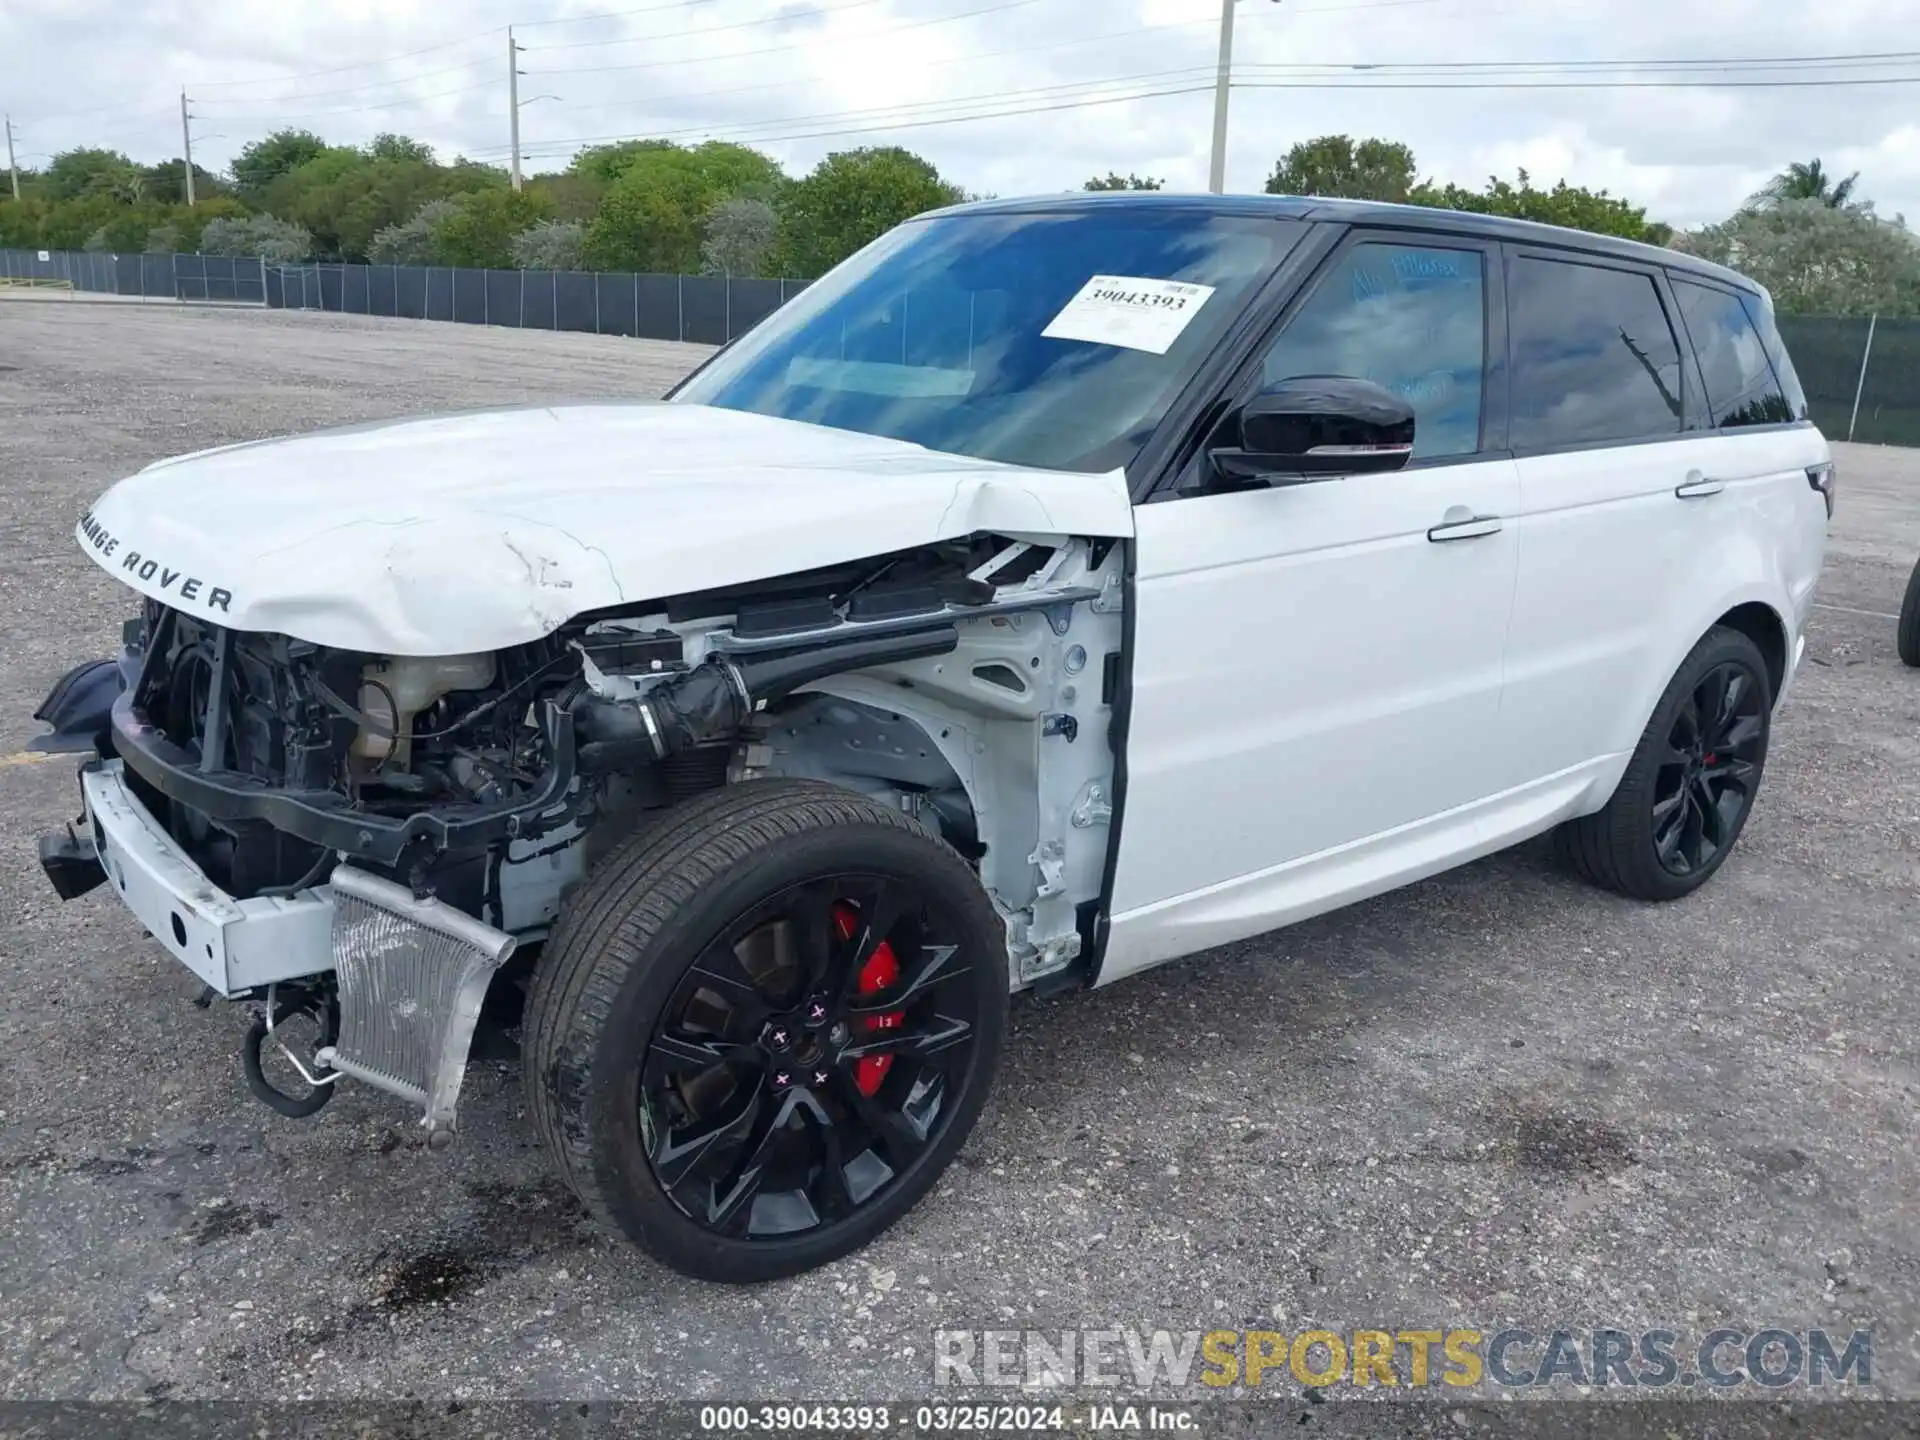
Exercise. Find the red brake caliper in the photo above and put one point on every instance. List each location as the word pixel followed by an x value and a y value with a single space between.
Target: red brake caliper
pixel 880 971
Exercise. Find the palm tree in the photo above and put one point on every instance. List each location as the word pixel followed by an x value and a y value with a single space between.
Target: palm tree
pixel 1806 180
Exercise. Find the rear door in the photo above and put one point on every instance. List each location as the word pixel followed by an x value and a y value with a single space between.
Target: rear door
pixel 1604 442
pixel 1754 473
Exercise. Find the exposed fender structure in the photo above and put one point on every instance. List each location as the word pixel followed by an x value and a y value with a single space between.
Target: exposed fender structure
pixel 977 699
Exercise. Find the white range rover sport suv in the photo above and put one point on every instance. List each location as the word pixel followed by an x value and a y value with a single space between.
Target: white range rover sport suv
pixel 1055 588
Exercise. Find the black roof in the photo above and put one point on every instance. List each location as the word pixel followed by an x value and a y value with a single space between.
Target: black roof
pixel 1361 212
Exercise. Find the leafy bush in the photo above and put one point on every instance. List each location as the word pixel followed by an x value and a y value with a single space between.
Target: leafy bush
pixel 550 245
pixel 269 238
pixel 415 240
pixel 741 234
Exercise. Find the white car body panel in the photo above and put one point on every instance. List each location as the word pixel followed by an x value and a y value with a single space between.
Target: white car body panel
pixel 1310 670
pixel 466 533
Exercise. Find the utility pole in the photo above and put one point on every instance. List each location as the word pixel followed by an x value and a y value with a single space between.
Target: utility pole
pixel 1222 83
pixel 12 167
pixel 513 102
pixel 186 144
pixel 1217 172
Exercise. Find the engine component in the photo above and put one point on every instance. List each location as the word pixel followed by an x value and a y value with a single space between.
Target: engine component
pixel 394 690
pixel 714 701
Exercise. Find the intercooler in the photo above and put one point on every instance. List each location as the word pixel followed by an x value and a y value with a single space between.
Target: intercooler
pixel 412 974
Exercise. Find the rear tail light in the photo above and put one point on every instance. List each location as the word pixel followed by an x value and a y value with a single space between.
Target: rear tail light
pixel 1820 477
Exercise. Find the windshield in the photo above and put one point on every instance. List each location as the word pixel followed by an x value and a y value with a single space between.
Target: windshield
pixel 1055 340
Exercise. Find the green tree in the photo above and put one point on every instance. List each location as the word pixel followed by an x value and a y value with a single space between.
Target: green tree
pixel 653 216
pixel 1567 205
pixel 479 232
pixel 604 164
pixel 167 182
pixel 261 162
pixel 1114 180
pixel 1337 165
pixel 20 222
pixel 1818 259
pixel 83 173
pixel 851 198
pixel 388 146
pixel 346 197
pixel 1807 180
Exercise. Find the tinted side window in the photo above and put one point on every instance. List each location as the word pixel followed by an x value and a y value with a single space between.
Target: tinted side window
pixel 1412 319
pixel 1760 312
pixel 1594 358
pixel 1741 389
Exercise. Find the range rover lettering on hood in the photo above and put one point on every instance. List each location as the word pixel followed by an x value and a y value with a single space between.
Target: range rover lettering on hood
pixel 158 575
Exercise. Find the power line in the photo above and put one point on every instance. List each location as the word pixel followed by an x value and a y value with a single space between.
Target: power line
pixel 904 110
pixel 783 49
pixel 1577 84
pixel 282 119
pixel 1309 75
pixel 774 19
pixel 994 115
pixel 353 89
pixel 967 109
pixel 357 65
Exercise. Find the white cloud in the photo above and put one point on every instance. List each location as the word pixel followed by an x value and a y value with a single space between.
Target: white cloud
pixel 109 71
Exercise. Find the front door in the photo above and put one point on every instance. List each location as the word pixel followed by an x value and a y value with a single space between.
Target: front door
pixel 1317 667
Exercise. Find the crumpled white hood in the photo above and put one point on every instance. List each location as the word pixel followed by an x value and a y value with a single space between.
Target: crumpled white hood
pixel 471 532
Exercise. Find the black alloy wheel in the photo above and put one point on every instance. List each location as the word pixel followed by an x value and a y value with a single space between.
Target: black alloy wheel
pixel 1711 768
pixel 1690 784
pixel 764 1026
pixel 808 1056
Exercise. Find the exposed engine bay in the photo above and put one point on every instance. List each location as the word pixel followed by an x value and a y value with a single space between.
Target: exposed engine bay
pixel 966 683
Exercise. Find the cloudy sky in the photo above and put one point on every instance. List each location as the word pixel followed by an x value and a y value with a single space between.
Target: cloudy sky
pixel 1692 118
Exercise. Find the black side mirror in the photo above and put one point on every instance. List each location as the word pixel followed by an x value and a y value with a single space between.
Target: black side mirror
pixel 1315 427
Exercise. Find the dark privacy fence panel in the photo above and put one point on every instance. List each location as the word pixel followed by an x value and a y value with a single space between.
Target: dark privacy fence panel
pixel 706 309
pixel 1861 374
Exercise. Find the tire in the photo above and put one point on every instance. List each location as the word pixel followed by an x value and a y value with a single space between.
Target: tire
pixel 1908 634
pixel 1701 780
pixel 611 1023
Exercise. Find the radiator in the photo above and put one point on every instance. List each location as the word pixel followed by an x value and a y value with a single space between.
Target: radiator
pixel 411 975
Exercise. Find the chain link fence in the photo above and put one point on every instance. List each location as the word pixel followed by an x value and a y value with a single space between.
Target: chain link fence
pixel 1861 373
pixel 706 309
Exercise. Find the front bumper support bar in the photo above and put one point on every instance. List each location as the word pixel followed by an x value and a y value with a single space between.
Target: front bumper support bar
pixel 325 817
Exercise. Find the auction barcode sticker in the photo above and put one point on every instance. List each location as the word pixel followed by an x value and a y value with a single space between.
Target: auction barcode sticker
pixel 1129 311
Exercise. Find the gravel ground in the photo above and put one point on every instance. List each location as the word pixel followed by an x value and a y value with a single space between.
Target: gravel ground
pixel 1494 1098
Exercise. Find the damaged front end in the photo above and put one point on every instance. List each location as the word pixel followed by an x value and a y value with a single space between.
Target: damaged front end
pixel 375 843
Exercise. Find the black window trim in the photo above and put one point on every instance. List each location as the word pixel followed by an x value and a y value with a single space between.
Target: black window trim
pixel 1677 275
pixel 1231 381
pixel 1690 387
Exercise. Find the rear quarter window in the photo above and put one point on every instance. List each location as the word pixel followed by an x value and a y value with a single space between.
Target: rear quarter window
pixel 1742 388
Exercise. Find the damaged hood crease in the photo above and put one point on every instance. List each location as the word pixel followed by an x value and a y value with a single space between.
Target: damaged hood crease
pixel 463 533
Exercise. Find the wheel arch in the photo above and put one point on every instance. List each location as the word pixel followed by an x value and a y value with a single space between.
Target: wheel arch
pixel 1763 625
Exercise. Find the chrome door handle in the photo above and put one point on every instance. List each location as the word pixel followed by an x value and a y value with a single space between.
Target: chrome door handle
pixel 1698 486
pixel 1469 529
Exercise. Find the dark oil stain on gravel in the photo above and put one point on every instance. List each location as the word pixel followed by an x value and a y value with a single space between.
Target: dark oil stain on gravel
pixel 1557 1142
pixel 228 1221
pixel 432 1277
